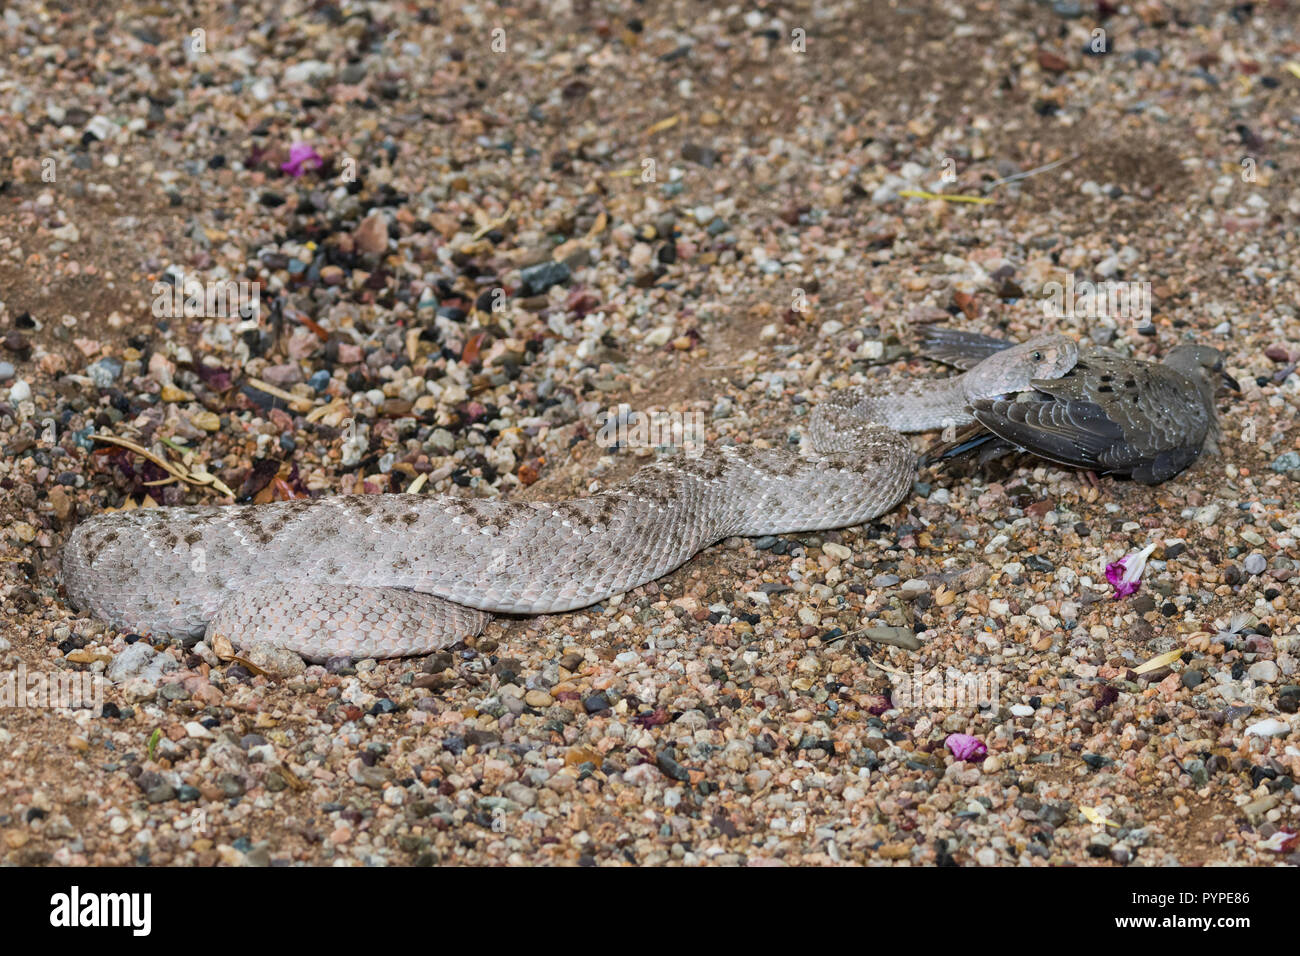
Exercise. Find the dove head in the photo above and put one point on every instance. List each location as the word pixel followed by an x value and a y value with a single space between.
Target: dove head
pixel 1201 363
pixel 1014 369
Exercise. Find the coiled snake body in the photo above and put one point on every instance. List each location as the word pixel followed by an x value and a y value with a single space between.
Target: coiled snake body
pixel 393 575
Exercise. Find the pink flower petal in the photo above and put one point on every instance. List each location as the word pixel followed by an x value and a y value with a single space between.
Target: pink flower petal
pixel 1115 575
pixel 301 155
pixel 1283 841
pixel 966 747
pixel 1125 575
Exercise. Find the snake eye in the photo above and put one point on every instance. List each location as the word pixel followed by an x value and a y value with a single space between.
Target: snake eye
pixel 1038 356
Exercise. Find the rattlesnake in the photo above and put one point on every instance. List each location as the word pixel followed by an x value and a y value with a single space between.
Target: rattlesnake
pixel 394 575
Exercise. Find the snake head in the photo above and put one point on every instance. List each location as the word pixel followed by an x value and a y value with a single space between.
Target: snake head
pixel 1013 369
pixel 1049 356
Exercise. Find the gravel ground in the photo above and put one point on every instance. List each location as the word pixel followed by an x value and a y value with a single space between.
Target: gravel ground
pixel 503 224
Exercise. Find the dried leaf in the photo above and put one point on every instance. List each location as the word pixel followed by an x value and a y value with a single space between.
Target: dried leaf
pixel 495 223
pixel 296 403
pixel 315 328
pixel 222 647
pixel 473 347
pixel 320 411
pixel 170 467
pixel 249 665
pixel 291 778
pixel 1095 816
pixel 663 124
pixel 1163 660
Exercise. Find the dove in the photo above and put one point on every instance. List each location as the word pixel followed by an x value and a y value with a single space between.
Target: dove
pixel 1110 414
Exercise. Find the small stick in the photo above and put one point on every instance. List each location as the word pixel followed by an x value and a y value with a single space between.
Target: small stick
pixel 178 472
pixel 299 405
pixel 1030 172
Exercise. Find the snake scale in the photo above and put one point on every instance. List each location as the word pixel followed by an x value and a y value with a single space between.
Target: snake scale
pixel 394 575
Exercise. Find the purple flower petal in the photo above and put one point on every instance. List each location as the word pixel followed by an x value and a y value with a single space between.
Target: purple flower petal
pixel 966 747
pixel 1125 575
pixel 1115 575
pixel 1115 571
pixel 301 155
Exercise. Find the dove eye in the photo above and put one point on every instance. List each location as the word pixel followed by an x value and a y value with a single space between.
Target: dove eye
pixel 1038 356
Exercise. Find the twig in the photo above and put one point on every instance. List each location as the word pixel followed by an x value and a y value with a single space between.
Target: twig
pixel 491 224
pixel 298 404
pixel 1030 172
pixel 198 478
pixel 946 197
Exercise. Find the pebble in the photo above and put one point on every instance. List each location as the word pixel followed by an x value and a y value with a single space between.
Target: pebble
pixel 206 421
pixel 371 237
pixel 138 689
pixel 1287 461
pixel 913 588
pixel 1264 671
pixel 282 376
pixel 1269 727
pixel 518 793
pixel 140 660
pixel 537 279
pixel 538 698
pixel 196 730
pixel 273 659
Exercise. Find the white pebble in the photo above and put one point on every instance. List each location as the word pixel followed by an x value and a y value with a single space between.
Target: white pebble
pixel 1263 671
pixel 1269 727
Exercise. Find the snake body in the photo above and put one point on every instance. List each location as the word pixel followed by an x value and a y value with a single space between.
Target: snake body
pixel 394 575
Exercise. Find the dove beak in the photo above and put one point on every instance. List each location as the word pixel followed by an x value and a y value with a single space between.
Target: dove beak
pixel 1231 382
